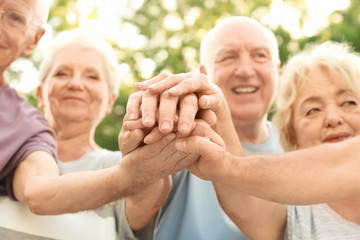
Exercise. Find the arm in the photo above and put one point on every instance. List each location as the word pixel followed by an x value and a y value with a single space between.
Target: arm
pixel 257 218
pixel 37 183
pixel 142 206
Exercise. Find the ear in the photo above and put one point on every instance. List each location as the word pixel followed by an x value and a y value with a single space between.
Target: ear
pixel 202 69
pixel 111 103
pixel 32 45
pixel 39 97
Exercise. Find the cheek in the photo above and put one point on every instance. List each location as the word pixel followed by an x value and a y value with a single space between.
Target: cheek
pixel 308 133
pixel 99 96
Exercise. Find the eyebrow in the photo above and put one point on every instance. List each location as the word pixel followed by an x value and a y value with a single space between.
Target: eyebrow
pixel 317 98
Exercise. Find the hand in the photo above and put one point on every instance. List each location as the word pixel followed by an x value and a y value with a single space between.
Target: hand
pixel 172 113
pixel 148 163
pixel 130 138
pixel 209 94
pixel 213 162
pixel 171 88
pixel 155 93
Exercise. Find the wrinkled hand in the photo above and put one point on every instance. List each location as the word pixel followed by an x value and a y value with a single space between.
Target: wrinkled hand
pixel 161 98
pixel 213 162
pixel 146 164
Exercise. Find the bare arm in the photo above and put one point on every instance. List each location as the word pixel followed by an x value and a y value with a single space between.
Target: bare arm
pixel 38 184
pixel 257 218
pixel 142 206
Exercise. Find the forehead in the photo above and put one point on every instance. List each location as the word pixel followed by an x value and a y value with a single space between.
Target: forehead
pixel 241 33
pixel 79 56
pixel 320 83
pixel 23 6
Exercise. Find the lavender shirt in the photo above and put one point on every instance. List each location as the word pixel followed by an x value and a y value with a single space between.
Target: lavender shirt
pixel 23 130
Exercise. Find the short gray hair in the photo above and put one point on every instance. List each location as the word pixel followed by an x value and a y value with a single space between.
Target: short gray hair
pixel 88 39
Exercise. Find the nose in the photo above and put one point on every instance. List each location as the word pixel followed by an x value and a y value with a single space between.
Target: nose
pixel 333 117
pixel 244 68
pixel 76 83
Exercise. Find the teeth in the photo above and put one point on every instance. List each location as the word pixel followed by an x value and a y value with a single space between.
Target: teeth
pixel 244 89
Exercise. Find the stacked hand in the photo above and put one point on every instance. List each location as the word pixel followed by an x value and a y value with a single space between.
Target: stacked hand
pixel 184 106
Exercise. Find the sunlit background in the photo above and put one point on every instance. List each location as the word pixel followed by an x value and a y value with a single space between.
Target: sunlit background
pixel 108 23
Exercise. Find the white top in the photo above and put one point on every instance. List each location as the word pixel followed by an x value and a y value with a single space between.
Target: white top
pixel 318 222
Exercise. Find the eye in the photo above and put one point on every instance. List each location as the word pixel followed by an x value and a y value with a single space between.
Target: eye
pixel 261 56
pixel 349 103
pixel 61 74
pixel 227 58
pixel 16 18
pixel 93 76
pixel 312 111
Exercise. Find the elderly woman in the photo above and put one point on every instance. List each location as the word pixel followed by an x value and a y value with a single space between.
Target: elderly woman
pixel 318 104
pixel 78 87
pixel 79 84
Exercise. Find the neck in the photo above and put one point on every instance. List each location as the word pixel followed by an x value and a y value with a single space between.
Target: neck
pixel 254 133
pixel 74 141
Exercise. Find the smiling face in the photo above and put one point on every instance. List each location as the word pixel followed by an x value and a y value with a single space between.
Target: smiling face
pixel 244 66
pixel 75 89
pixel 324 112
pixel 14 42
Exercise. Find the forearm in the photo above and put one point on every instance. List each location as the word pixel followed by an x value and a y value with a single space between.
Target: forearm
pixel 321 174
pixel 74 192
pixel 255 217
pixel 141 207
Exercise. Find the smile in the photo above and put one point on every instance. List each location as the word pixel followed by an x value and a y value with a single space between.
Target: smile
pixel 244 89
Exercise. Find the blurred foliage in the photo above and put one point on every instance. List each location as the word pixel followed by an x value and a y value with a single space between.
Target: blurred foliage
pixel 176 50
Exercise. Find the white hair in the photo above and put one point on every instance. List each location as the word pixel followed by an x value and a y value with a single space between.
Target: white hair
pixel 41 13
pixel 87 39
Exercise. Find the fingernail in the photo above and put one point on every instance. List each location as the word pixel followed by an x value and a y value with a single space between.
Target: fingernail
pixel 165 125
pixel 184 127
pixel 147 119
pixel 132 116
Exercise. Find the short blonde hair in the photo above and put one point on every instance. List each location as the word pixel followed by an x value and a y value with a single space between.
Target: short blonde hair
pixel 338 59
pixel 87 39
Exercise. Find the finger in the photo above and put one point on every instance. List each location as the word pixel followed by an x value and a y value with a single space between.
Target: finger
pixel 200 145
pixel 188 109
pixel 154 136
pixel 133 106
pixel 135 124
pixel 203 129
pixel 129 140
pixel 144 85
pixel 148 108
pixel 204 132
pixel 168 82
pixel 167 112
pixel 210 95
pixel 208 116
pixel 211 101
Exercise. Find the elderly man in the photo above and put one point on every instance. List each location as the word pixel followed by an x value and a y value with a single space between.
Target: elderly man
pixel 241 57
